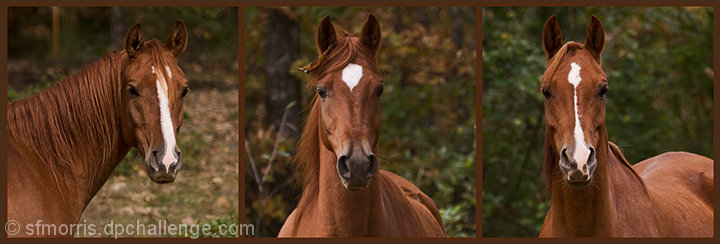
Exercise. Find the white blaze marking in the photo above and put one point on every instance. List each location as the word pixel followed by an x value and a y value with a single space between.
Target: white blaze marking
pixel 351 75
pixel 168 130
pixel 167 68
pixel 582 152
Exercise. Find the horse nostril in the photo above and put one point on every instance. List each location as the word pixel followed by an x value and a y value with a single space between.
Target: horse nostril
pixel 564 155
pixel 174 166
pixel 372 168
pixel 342 167
pixel 155 157
pixel 592 162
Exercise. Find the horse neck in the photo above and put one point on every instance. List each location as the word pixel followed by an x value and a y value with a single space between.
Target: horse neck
pixel 348 213
pixel 593 210
pixel 583 212
pixel 73 128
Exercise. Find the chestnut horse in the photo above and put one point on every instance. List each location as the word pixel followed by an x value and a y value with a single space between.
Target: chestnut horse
pixel 64 142
pixel 346 195
pixel 595 191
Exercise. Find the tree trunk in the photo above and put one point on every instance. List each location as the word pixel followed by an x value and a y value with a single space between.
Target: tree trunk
pixel 117 30
pixel 458 21
pixel 280 49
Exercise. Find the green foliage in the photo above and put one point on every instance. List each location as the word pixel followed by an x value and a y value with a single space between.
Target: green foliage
pixel 659 66
pixel 28 91
pixel 427 110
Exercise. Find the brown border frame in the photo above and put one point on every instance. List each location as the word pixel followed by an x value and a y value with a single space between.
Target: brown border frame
pixel 478 130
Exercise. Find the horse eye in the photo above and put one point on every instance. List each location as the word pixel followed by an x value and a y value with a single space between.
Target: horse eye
pixel 546 92
pixel 321 92
pixel 603 90
pixel 185 92
pixel 133 91
pixel 380 90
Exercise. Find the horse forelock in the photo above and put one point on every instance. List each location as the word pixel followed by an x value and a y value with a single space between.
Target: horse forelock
pixel 159 62
pixel 554 63
pixel 347 50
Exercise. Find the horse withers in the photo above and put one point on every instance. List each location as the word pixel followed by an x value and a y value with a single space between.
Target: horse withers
pixel 63 143
pixel 595 191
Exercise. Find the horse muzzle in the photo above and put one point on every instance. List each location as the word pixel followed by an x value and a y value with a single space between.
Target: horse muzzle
pixel 577 171
pixel 163 168
pixel 356 170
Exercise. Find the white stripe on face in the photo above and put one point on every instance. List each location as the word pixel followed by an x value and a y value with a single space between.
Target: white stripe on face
pixel 167 69
pixel 166 124
pixel 351 75
pixel 582 152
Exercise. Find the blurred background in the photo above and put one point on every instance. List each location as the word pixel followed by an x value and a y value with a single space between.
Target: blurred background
pixel 46 44
pixel 427 60
pixel 659 66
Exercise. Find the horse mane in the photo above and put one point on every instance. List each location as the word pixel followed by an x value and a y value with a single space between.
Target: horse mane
pixel 307 159
pixel 618 153
pixel 58 123
pixel 615 150
pixel 549 159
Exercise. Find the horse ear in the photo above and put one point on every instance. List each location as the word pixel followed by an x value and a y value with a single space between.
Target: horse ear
pixel 371 33
pixel 595 38
pixel 552 37
pixel 177 41
pixel 326 35
pixel 134 40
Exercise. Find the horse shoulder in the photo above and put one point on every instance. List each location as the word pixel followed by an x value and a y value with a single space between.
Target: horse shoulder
pixel 29 202
pixel 547 228
pixel 414 194
pixel 289 228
